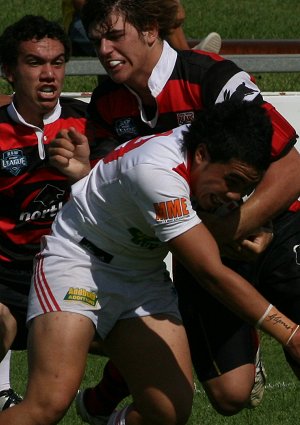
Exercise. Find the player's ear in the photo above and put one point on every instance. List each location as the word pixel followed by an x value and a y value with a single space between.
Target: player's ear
pixel 201 154
pixel 151 35
pixel 8 73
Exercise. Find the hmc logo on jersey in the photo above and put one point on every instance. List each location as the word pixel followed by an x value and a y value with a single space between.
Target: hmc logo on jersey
pixel 13 161
pixel 171 210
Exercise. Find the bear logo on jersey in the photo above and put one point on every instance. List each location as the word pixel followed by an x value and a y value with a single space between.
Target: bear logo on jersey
pixel 13 161
pixel 240 93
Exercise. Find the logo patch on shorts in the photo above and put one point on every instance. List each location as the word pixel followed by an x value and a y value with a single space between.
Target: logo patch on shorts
pixel 81 295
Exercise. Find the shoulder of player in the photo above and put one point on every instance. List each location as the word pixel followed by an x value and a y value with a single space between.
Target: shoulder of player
pixel 195 60
pixel 72 107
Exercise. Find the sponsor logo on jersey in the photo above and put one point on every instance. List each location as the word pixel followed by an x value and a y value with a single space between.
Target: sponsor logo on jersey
pixel 81 295
pixel 171 210
pixel 45 204
pixel 185 117
pixel 145 241
pixel 13 161
pixel 296 250
pixel 126 127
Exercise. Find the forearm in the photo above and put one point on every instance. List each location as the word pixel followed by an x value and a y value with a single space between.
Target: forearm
pixel 251 306
pixel 279 188
pixel 198 252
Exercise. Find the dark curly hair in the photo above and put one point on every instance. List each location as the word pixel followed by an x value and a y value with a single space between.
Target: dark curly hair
pixel 232 130
pixel 27 28
pixel 142 14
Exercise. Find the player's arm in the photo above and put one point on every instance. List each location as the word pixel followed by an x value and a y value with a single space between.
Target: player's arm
pixel 199 253
pixel 279 188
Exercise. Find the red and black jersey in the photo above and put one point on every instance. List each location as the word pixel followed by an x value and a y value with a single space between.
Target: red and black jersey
pixel 182 82
pixel 31 191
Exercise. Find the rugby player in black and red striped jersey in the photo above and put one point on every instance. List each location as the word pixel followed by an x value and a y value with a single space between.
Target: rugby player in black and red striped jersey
pixel 33 56
pixel 152 88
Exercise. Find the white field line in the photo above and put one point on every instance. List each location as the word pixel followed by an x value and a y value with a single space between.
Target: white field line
pixel 274 386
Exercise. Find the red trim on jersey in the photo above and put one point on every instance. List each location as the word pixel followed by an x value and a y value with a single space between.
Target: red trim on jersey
pixel 284 135
pixel 180 96
pixel 185 170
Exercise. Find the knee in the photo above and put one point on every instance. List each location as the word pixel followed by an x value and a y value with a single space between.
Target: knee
pixel 170 412
pixel 47 410
pixel 230 404
pixel 8 329
pixel 6 318
pixel 230 400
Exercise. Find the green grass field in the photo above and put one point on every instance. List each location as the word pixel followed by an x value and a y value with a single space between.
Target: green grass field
pixel 233 19
pixel 279 406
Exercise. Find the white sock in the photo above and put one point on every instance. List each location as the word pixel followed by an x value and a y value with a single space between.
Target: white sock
pixel 5 372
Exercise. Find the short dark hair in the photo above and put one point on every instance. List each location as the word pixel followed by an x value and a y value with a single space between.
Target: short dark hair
pixel 142 14
pixel 28 28
pixel 231 130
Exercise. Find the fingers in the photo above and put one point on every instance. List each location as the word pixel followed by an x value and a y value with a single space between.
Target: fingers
pixel 258 243
pixel 76 137
pixel 63 147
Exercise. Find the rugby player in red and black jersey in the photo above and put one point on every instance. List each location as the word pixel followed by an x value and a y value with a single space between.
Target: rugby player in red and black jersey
pixel 151 88
pixel 33 55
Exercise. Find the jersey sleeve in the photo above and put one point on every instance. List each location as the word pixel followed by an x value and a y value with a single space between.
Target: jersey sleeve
pixel 164 198
pixel 226 81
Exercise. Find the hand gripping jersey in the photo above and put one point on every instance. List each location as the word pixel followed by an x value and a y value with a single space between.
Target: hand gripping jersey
pixel 134 200
pixel 31 191
pixel 182 83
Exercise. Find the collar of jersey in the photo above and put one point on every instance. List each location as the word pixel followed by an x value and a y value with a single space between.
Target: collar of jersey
pixel 162 70
pixel 48 118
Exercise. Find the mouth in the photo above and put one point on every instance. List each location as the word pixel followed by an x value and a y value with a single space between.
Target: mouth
pixel 47 92
pixel 113 64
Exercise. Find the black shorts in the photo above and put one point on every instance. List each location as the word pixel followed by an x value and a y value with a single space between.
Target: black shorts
pixel 14 290
pixel 219 340
pixel 278 271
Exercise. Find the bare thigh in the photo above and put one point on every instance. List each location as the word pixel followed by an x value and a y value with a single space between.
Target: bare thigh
pixel 57 348
pixel 153 355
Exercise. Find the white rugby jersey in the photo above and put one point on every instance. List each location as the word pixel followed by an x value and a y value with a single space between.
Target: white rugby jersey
pixel 134 200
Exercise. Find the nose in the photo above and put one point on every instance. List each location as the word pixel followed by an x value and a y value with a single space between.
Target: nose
pixel 47 72
pixel 104 47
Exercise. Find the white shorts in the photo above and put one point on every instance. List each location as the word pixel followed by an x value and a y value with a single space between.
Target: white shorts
pixel 68 278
